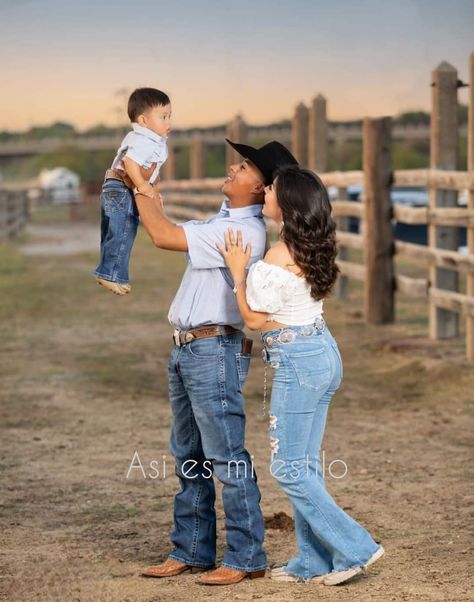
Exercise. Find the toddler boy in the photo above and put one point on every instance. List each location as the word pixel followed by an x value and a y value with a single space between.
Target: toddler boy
pixel 135 168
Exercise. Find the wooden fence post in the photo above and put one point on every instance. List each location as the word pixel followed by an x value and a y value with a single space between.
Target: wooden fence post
pixel 379 299
pixel 198 158
pixel 236 131
pixel 443 155
pixel 470 204
pixel 169 168
pixel 14 211
pixel 318 135
pixel 342 285
pixel 3 215
pixel 299 134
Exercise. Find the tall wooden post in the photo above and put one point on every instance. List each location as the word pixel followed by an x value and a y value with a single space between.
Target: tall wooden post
pixel 3 214
pixel 378 240
pixel 318 135
pixel 236 131
pixel 299 134
pixel 168 171
pixel 443 155
pixel 470 204
pixel 197 157
pixel 342 285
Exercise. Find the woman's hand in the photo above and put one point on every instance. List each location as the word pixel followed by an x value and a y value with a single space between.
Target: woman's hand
pixel 234 255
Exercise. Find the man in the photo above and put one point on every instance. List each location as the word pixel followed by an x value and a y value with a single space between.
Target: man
pixel 207 369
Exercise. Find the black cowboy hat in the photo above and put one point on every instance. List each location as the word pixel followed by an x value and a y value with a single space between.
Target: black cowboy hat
pixel 268 158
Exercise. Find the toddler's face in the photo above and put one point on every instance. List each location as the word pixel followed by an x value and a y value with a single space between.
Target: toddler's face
pixel 157 119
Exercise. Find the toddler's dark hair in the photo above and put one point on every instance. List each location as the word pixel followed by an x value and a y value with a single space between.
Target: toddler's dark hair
pixel 142 99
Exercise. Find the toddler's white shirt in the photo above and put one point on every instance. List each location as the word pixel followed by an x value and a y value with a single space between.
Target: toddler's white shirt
pixel 143 146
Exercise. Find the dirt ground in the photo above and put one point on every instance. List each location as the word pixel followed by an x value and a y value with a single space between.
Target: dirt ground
pixel 83 387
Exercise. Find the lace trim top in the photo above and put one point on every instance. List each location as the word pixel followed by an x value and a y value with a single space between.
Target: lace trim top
pixel 282 294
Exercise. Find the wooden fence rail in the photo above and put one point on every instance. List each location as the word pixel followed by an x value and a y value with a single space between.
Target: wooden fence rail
pixel 199 200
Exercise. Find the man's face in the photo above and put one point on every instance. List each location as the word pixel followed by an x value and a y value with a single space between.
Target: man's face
pixel 243 179
pixel 157 119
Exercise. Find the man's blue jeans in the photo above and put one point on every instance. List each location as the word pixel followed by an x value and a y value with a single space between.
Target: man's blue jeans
pixel 118 228
pixel 206 377
pixel 307 372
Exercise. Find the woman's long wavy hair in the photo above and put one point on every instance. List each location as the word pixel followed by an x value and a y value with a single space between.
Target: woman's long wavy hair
pixel 308 229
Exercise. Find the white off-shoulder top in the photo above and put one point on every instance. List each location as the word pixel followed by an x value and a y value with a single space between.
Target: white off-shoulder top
pixel 282 294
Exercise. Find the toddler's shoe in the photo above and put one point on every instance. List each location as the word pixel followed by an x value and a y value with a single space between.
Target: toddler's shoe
pixel 115 287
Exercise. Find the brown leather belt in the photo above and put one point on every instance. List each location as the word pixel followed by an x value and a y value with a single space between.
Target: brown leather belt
pixel 181 337
pixel 118 174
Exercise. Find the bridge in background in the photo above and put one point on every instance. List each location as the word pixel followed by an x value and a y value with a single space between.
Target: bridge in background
pixel 214 136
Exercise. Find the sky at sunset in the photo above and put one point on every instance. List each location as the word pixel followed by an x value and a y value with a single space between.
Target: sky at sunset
pixel 64 60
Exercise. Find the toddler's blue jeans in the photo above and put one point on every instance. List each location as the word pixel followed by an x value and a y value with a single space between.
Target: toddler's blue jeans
pixel 118 228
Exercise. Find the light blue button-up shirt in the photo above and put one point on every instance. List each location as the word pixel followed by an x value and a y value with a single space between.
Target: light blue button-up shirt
pixel 204 297
pixel 143 146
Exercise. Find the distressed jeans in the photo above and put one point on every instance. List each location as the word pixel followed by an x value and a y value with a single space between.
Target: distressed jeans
pixel 307 372
pixel 206 377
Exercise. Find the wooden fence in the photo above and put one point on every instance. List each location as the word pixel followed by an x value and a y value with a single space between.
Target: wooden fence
pixel 199 198
pixel 13 212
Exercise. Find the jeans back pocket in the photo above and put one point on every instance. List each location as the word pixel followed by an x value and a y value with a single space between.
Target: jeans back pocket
pixel 114 199
pixel 312 368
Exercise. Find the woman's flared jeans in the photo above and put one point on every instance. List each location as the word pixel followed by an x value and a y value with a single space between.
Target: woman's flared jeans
pixel 307 372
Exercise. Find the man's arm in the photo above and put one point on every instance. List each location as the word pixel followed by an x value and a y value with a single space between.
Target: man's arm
pixel 163 232
pixel 202 239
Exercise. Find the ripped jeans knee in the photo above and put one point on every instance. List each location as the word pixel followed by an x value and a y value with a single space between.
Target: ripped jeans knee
pixel 274 441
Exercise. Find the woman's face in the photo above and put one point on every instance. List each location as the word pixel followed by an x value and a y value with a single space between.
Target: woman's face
pixel 271 208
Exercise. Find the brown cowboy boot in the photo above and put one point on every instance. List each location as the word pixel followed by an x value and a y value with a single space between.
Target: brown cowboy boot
pixel 169 568
pixel 224 575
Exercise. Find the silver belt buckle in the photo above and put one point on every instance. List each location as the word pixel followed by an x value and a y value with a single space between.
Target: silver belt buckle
pixel 181 338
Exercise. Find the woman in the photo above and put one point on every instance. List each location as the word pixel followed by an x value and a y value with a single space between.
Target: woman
pixel 283 296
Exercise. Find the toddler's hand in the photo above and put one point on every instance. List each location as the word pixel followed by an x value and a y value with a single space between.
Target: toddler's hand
pixel 145 189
